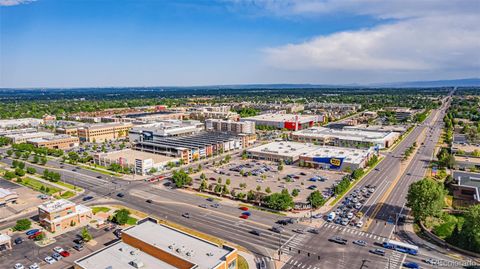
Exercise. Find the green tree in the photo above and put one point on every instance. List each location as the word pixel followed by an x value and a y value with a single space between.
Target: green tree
pixel 470 233
pixel 268 190
pixel 19 172
pixel 9 153
pixel 425 198
pixel 180 178
pixel 22 225
pixel 9 175
pixel 295 192
pixel 228 181
pixel 43 160
pixel 203 185
pixel 31 170
pixel 259 188
pixel 121 216
pixel 279 201
pixel 86 236
pixel 36 159
pixel 316 199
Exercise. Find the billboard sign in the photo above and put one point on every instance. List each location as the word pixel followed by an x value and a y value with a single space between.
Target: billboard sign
pixel 334 163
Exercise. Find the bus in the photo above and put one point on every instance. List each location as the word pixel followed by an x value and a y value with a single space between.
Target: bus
pixel 401 247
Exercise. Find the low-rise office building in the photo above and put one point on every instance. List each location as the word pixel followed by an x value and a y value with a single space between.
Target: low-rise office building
pixel 5 132
pixel 24 137
pixel 310 155
pixel 20 123
pixel 60 214
pixel 467 162
pixel 7 196
pixel 346 138
pixel 466 191
pixel 5 242
pixel 284 121
pixel 138 161
pixel 152 245
pixel 378 128
pixel 229 126
pixel 103 132
pixel 67 130
pixel 162 129
pixel 55 142
pixel 193 147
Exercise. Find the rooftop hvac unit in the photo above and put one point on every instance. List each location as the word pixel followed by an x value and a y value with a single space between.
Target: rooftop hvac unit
pixel 137 263
pixel 209 254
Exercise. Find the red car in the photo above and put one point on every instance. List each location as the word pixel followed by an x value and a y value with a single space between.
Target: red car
pixel 65 253
pixel 244 216
pixel 34 235
pixel 243 208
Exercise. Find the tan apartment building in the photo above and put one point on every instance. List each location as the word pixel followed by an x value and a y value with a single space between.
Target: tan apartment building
pixel 229 126
pixel 104 132
pixel 55 142
pixel 152 245
pixel 60 214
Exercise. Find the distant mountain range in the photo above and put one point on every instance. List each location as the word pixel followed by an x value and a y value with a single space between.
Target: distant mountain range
pixel 467 82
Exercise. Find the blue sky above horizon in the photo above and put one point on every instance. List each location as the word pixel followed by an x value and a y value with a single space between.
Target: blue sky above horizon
pixel 78 43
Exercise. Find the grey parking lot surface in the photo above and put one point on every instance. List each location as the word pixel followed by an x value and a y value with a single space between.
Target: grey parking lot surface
pixel 28 252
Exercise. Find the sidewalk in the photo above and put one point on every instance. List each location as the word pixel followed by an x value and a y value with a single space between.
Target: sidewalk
pixel 249 258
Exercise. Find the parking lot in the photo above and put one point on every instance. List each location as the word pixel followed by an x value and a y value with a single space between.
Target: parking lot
pixel 28 253
pixel 248 175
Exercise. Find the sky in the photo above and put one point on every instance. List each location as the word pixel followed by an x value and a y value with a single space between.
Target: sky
pixel 105 43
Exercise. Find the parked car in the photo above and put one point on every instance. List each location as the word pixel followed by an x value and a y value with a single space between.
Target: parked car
pixel 78 241
pixel 65 253
pixel 186 215
pixel 34 266
pixel 57 256
pixel 49 260
pixel 120 194
pixel 32 231
pixel 78 247
pixel 33 236
pixel 18 266
pixel 18 241
pixel 87 198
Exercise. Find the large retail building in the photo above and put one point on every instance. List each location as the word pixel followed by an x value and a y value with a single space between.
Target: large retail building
pixel 284 121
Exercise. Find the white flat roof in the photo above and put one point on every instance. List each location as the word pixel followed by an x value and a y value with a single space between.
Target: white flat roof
pixel 118 256
pixel 5 192
pixel 277 117
pixel 354 156
pixel 284 148
pixel 50 138
pixel 56 205
pixel 203 253
pixel 130 155
pixel 346 134
pixel 30 135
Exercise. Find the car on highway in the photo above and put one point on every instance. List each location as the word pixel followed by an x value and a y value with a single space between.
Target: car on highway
pixel 338 240
pixel 203 206
pixel 377 251
pixel 244 216
pixel 318 216
pixel 431 261
pixel 148 201
pixel 412 265
pixel 215 205
pixel 243 208
pixel 18 266
pixel 186 215
pixel 87 198
pixel 300 231
pixel 210 199
pixel 282 222
pixel 360 243
pixel 314 231
pixel 262 265
pixel 49 260
pixel 120 194
pixel 312 187
pixel 277 229
pixel 255 232
pixel 99 177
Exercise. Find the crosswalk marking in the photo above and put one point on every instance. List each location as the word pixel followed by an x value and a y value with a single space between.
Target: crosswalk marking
pixel 353 231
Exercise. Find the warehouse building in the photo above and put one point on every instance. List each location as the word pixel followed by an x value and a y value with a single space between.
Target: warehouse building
pixel 309 155
pixel 346 138
pixel 23 137
pixel 55 142
pixel 152 245
pixel 193 147
pixel 20 123
pixel 285 121
pixel 139 162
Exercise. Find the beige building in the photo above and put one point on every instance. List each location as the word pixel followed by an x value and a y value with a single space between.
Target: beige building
pixel 239 127
pixel 70 130
pixel 104 132
pixel 60 214
pixel 55 142
pixel 23 137
pixel 152 245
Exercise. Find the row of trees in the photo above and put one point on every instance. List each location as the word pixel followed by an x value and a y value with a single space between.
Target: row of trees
pixel 51 175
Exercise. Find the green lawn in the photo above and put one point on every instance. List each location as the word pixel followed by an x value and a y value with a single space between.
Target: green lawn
pixel 67 194
pixel 68 185
pixel 132 221
pixel 208 196
pixel 37 185
pixel 447 224
pixel 97 209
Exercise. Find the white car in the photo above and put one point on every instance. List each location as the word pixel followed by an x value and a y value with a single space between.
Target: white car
pixel 50 260
pixel 350 215
pixel 58 249
pixel 18 266
pixel 34 266
pixel 359 224
pixel 358 205
pixel 345 222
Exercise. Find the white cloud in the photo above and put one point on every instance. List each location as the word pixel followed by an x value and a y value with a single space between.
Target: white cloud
pixel 427 36
pixel 15 2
